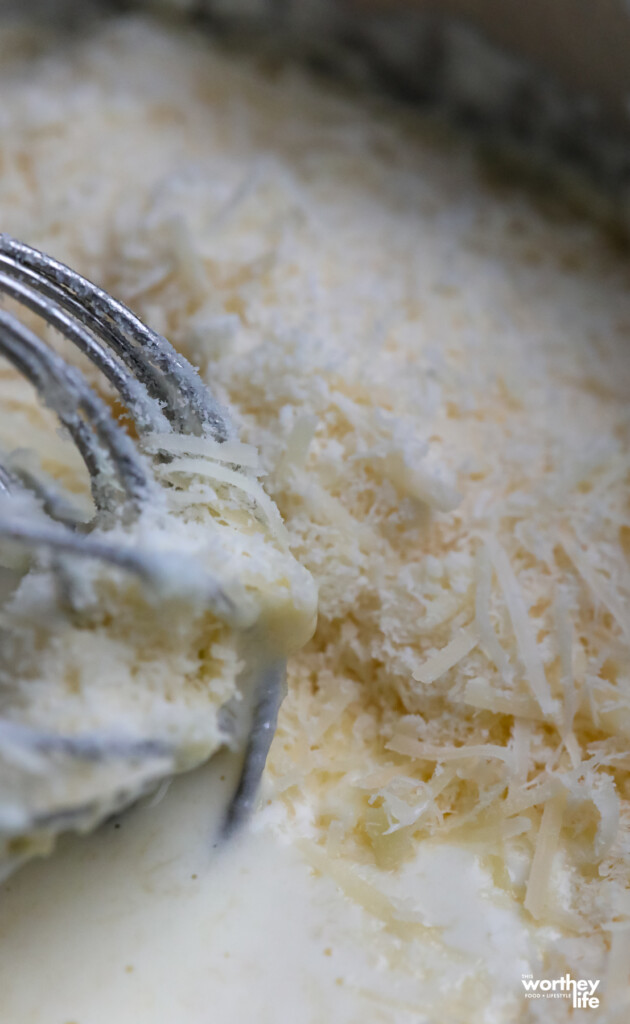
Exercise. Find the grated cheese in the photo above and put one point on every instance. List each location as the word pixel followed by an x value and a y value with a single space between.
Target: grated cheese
pixel 426 751
pixel 479 694
pixel 547 843
pixel 234 452
pixel 213 471
pixel 446 659
pixel 397 919
pixel 614 603
pixel 522 627
pixel 435 375
pixel 565 645
pixel 487 635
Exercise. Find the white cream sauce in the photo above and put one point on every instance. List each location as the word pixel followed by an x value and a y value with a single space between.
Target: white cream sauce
pixel 153 920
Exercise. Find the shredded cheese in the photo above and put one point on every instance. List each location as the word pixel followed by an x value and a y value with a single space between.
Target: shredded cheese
pixel 522 627
pixel 234 452
pixel 618 608
pixel 446 659
pixel 436 379
pixel 546 848
pixel 395 918
pixel 425 751
pixel 213 471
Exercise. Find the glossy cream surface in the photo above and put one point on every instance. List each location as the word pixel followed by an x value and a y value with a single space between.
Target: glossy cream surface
pixel 154 919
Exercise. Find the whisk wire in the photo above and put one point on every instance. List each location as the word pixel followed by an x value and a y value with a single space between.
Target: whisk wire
pixel 163 393
pixel 151 358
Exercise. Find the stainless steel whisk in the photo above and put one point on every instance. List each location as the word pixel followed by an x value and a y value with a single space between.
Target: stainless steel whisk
pixel 162 392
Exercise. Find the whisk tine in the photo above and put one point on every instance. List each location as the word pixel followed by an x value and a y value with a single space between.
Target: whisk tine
pixel 141 564
pixel 168 377
pixel 8 480
pixel 84 747
pixel 146 412
pixel 55 505
pixel 143 376
pixel 102 443
pixel 162 393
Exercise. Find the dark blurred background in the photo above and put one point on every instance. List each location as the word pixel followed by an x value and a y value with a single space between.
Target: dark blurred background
pixel 547 78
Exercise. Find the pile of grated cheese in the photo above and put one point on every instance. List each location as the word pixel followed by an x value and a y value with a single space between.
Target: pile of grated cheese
pixel 435 367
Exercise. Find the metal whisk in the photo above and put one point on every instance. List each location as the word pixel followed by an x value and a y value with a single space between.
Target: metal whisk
pixel 163 393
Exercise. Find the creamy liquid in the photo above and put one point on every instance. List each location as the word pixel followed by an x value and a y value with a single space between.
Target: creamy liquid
pixel 154 920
